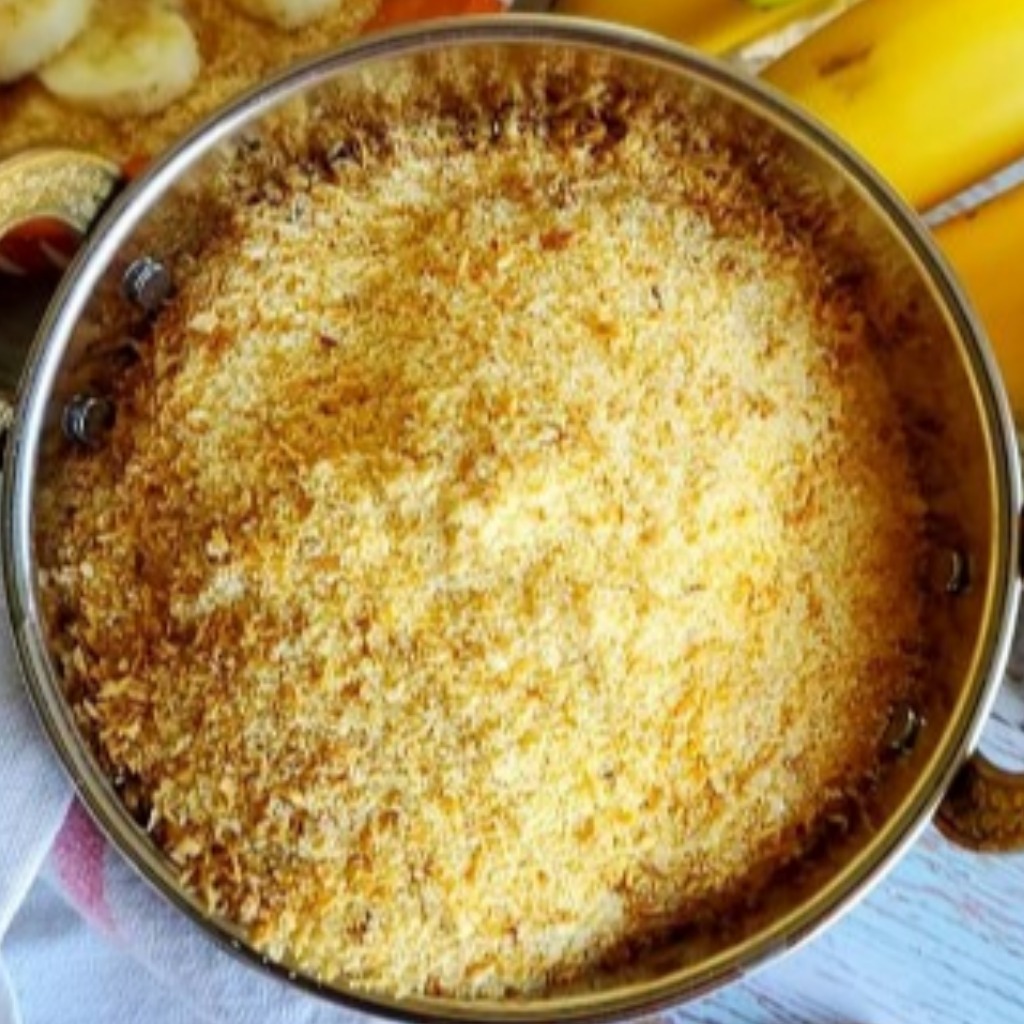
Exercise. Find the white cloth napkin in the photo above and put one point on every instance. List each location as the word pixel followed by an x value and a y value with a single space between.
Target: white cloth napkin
pixel 35 800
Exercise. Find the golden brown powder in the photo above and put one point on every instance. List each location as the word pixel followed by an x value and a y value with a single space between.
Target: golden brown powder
pixel 466 592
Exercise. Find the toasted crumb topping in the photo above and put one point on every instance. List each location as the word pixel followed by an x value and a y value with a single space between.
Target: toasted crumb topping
pixel 505 552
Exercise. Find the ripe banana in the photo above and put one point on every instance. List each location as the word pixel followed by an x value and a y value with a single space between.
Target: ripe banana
pixel 33 31
pixel 134 57
pixel 984 246
pixel 715 26
pixel 288 14
pixel 927 90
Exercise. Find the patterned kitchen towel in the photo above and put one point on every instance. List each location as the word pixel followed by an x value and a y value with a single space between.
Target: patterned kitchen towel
pixel 173 952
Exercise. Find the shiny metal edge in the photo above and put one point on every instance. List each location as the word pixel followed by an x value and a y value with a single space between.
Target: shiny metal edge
pixel 1001 600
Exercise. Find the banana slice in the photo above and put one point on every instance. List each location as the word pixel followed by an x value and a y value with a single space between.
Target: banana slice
pixel 288 14
pixel 135 57
pixel 34 31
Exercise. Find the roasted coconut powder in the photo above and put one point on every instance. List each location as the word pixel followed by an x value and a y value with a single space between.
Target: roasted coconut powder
pixel 463 597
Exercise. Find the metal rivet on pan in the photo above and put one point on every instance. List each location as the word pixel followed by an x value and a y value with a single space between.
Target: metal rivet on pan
pixel 958 577
pixel 949 571
pixel 87 418
pixel 147 283
pixel 901 733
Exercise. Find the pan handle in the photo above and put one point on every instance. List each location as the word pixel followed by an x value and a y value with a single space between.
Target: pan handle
pixel 984 808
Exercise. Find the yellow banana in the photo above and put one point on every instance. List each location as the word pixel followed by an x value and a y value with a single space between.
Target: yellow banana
pixel 928 90
pixel 985 246
pixel 715 26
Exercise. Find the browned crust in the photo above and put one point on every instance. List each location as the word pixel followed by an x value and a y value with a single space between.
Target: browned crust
pixel 506 550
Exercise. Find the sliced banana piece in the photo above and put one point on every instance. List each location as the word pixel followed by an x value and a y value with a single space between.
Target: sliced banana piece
pixel 135 57
pixel 288 14
pixel 34 31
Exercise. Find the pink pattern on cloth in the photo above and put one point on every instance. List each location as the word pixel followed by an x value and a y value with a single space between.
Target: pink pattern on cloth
pixel 78 855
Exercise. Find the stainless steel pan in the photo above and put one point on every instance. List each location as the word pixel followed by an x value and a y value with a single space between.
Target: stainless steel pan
pixel 972 477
